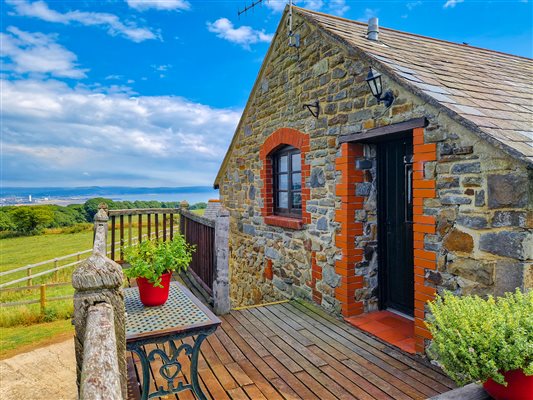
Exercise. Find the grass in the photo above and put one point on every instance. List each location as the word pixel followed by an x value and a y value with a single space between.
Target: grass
pixel 24 250
pixel 21 338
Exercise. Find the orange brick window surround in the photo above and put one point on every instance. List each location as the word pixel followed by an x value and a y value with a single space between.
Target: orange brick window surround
pixel 283 137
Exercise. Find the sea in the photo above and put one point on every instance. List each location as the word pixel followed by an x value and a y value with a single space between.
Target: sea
pixel 77 195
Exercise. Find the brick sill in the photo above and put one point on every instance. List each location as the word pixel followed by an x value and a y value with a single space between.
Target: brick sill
pixel 284 222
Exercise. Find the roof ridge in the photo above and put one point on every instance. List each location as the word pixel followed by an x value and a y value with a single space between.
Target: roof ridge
pixel 414 34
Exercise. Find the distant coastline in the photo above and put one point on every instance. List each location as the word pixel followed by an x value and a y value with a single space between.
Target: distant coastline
pixel 77 195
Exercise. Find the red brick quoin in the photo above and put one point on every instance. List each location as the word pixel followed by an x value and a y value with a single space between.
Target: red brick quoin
pixel 349 229
pixel 283 137
pixel 423 225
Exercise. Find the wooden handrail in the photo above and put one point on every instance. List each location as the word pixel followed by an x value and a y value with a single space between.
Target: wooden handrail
pixel 141 211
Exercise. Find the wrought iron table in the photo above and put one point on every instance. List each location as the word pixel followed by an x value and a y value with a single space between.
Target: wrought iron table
pixel 183 315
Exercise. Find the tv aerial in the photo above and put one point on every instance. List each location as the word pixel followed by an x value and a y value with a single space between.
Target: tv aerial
pixel 294 38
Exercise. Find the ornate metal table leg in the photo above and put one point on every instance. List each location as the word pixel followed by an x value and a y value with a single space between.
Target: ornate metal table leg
pixel 194 367
pixel 145 366
pixel 170 364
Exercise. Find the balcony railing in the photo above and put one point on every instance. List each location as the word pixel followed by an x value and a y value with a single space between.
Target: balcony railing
pixel 135 225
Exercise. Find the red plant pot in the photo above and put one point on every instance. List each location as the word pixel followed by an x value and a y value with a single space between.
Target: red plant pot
pixel 519 386
pixel 154 296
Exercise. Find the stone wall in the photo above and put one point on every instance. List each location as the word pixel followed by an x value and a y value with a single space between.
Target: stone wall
pixel 480 197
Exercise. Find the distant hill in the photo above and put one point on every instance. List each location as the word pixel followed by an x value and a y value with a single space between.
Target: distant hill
pixel 97 191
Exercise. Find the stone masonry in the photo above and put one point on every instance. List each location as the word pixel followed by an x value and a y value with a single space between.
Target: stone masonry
pixel 472 202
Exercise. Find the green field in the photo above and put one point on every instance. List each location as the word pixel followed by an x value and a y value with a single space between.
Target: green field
pixel 24 250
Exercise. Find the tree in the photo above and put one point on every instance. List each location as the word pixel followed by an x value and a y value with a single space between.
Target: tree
pixel 30 220
pixel 6 223
pixel 91 206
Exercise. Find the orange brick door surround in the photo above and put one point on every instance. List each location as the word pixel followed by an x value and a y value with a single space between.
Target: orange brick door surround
pixel 349 229
pixel 423 225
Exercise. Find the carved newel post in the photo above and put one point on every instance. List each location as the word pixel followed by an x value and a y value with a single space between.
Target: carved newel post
pixel 221 298
pixel 99 279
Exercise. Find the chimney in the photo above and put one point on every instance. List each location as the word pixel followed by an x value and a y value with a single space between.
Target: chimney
pixel 373 29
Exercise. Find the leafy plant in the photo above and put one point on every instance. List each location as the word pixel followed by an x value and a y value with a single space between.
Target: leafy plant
pixel 475 339
pixel 151 259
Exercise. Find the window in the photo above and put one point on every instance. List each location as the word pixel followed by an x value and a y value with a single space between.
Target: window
pixel 287 174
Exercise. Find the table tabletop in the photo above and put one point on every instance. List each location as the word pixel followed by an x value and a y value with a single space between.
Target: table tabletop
pixel 182 313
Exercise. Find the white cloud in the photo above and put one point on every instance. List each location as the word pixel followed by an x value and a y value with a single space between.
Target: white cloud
pixel 314 4
pixel 162 68
pixel 369 13
pixel 412 4
pixel 276 5
pixel 243 35
pixel 54 135
pixel 34 52
pixel 338 7
pixel 452 3
pixel 110 22
pixel 142 5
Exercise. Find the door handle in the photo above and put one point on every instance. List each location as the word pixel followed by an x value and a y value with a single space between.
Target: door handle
pixel 408 167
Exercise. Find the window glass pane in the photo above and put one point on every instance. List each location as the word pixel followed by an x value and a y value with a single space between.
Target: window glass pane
pixel 283 182
pixel 296 181
pixel 283 200
pixel 296 200
pixel 283 160
pixel 296 162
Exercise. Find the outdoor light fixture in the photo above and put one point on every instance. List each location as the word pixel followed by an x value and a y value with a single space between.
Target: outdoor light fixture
pixel 313 108
pixel 374 81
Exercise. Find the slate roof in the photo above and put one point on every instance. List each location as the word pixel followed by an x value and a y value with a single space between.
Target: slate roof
pixel 490 89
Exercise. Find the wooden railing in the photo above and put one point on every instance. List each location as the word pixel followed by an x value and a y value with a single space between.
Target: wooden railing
pixel 43 298
pixel 157 223
pixel 200 232
pixel 53 267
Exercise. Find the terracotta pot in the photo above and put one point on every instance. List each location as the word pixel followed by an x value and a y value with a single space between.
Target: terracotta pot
pixel 154 296
pixel 519 386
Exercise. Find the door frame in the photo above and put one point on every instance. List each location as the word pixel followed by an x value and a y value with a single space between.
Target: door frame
pixel 381 230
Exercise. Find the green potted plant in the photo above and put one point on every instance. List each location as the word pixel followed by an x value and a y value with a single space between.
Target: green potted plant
pixel 485 340
pixel 152 264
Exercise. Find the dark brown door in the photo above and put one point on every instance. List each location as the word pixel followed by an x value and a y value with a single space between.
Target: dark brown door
pixel 395 241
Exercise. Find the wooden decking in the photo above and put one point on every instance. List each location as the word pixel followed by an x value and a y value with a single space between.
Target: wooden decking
pixel 294 350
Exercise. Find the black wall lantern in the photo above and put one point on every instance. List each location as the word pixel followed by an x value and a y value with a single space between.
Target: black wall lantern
pixel 374 81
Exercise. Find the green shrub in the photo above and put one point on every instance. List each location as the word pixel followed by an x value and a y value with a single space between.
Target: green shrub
pixel 49 315
pixel 476 339
pixel 151 259
pixel 31 220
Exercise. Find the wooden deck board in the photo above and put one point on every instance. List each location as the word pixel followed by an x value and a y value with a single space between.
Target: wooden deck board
pixel 294 351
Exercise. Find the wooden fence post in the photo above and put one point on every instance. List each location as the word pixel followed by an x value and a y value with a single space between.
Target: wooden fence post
pixel 221 296
pixel 29 275
pixel 56 272
pixel 43 298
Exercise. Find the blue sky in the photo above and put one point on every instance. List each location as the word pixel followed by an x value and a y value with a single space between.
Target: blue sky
pixel 148 93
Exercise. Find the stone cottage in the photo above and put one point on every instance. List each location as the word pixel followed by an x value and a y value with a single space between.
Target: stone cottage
pixel 362 205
